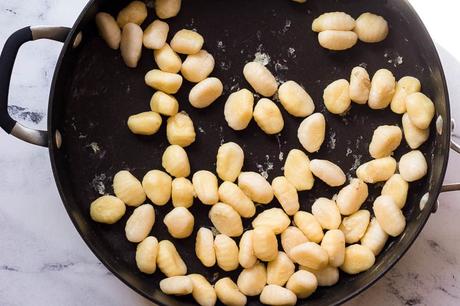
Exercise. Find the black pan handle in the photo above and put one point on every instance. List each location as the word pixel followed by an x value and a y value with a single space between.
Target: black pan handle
pixel 456 147
pixel 7 59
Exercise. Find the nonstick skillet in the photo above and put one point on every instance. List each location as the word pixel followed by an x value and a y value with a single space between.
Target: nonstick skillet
pixel 93 93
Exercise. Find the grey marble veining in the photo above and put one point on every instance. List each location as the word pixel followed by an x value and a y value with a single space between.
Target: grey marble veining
pixel 43 261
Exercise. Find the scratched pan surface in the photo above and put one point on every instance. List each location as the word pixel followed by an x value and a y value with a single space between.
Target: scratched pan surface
pixel 95 92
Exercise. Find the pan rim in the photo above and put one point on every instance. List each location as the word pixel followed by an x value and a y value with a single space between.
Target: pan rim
pixel 95 249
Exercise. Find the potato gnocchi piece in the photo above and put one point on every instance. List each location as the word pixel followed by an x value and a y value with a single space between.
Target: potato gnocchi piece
pixel 128 188
pixel 371 28
pixel 292 237
pixel 205 185
pixel 397 188
pixel 309 225
pixel 146 255
pixel 246 256
pixel 268 117
pixel 164 81
pixel 334 244
pixel 179 222
pixel 339 21
pixel 420 110
pixel 310 254
pixel 377 170
pixel 280 270
pixel 336 97
pixel 414 136
pixel 230 160
pixel 169 260
pixel 108 30
pixel 297 170
pixel 389 216
pixel 358 259
pixel 232 195
pixel 256 187
pixel 155 35
pixel 131 44
pixel 180 130
pixel 238 109
pixel 274 218
pixel 167 60
pixel 205 92
pixel 413 166
pixel 352 196
pixel 182 192
pixel 385 140
pixel 146 123
pixel 175 161
pixel 326 277
pixel 327 213
pixel 286 194
pixel 260 78
pixel 165 9
pixel 383 86
pixel 312 131
pixel 302 284
pixel 375 237
pixel 157 186
pixel 295 100
pixel 226 253
pixel 251 281
pixel 204 247
pixel 135 12
pixel 337 40
pixel 140 223
pixel 176 285
pixel 164 104
pixel 226 220
pixel 187 42
pixel 328 172
pixel 354 226
pixel 198 67
pixel 405 86
pixel 203 292
pixel 265 243
pixel 360 85
pixel 228 292
pixel 107 209
pixel 277 296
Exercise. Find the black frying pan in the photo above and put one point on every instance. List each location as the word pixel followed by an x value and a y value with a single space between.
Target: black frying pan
pixel 93 93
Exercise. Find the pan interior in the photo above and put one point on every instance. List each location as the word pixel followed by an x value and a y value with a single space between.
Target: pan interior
pixel 95 93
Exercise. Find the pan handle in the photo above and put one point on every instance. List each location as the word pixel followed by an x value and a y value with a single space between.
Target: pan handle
pixel 7 59
pixel 456 147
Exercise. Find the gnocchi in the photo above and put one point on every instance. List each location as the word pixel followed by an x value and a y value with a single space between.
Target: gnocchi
pixel 157 186
pixel 309 225
pixel 420 110
pixel 297 170
pixel 377 170
pixel 383 86
pixel 226 220
pixel 251 281
pixel 375 237
pixel 167 60
pixel 198 67
pixel 286 194
pixel 280 270
pixel 371 28
pixel 107 209
pixel 165 9
pixel 352 196
pixel 292 237
pixel 337 40
pixel 354 226
pixel 228 293
pixel 302 283
pixel 360 85
pixel 203 292
pixel 164 81
pixel 187 42
pixel 256 187
pixel 169 260
pixel 385 140
pixel 204 247
pixel 414 136
pixel 311 132
pixel 179 222
pixel 135 12
pixel 232 195
pixel 182 192
pixel 175 161
pixel 164 104
pixel 176 285
pixel 205 92
pixel 146 255
pixel 108 29
pixel 326 277
pixel 277 295
pixel 131 44
pixel 397 188
pixel 146 123
pixel 405 86
pixel 327 213
pixel 328 172
pixel 230 159
pixel 339 21
pixel 274 218
pixel 180 130
pixel 268 117
pixel 389 216
pixel 264 243
pixel 260 78
pixel 310 254
pixel 334 244
pixel 358 258
pixel 128 188
pixel 205 185
pixel 238 109
pixel 295 99
pixel 336 96
pixel 226 253
pixel 155 35
pixel 413 166
pixel 140 223
pixel 246 256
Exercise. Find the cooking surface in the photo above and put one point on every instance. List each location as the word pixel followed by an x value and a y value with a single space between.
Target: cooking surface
pixel 125 150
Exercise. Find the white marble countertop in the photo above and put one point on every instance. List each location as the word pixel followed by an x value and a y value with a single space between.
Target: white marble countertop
pixel 43 260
